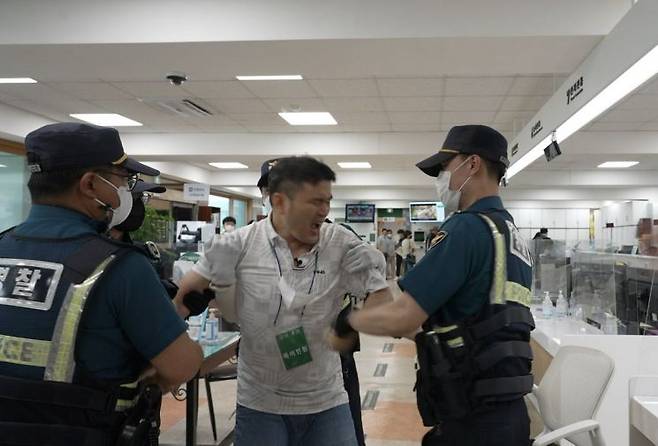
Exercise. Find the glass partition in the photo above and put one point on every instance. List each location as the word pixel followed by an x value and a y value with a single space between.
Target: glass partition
pixel 14 200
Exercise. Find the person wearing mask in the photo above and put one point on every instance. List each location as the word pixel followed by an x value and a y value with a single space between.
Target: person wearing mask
pixel 381 242
pixel 72 302
pixel 291 272
pixel 542 234
pixel 399 259
pixel 229 224
pixel 473 348
pixel 390 255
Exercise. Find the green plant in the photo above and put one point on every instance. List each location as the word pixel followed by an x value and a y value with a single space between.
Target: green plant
pixel 156 227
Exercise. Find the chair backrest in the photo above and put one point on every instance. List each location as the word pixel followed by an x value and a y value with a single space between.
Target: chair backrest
pixel 573 386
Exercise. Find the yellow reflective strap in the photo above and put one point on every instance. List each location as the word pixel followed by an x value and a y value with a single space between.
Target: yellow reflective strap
pixel 455 343
pixel 24 351
pixel 515 292
pixel 61 363
pixel 442 330
pixel 123 405
pixel 497 294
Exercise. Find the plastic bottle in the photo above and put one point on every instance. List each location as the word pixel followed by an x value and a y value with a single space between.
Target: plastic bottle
pixel 212 326
pixel 562 306
pixel 547 306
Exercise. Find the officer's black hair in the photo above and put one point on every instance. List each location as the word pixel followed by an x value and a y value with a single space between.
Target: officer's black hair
pixel 229 219
pixel 45 185
pixel 289 174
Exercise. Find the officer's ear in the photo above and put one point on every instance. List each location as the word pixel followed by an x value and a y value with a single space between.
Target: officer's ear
pixel 475 164
pixel 87 185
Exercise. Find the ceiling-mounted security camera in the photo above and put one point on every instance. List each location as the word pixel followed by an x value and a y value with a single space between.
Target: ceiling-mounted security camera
pixel 176 77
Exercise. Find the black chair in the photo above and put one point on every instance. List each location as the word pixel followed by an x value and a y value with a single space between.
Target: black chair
pixel 224 372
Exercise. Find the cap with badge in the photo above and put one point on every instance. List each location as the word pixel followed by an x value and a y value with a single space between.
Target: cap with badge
pixel 71 145
pixel 265 172
pixel 468 140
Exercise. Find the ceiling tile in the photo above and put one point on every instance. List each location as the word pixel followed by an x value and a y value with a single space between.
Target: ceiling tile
pixel 523 103
pixel 470 117
pixel 239 105
pixel 639 102
pixel 217 89
pixel 345 87
pixel 262 128
pixel 91 90
pixel 152 89
pixel 427 127
pixel 355 104
pixel 415 117
pixel 365 128
pixel 258 119
pixel 429 103
pixel 134 109
pixel 472 103
pixel 520 117
pixel 650 126
pixel 295 104
pixel 476 86
pixel 536 85
pixel 411 87
pixel 361 117
pixel 617 115
pixel 614 126
pixel 280 89
pixel 651 87
pixel 38 109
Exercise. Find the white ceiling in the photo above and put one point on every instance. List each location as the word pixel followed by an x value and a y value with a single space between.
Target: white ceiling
pixel 396 78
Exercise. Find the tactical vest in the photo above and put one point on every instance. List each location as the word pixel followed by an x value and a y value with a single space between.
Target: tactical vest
pixel 470 366
pixel 44 399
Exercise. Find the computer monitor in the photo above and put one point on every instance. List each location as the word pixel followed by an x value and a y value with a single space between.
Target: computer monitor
pixel 419 236
pixel 426 211
pixel 359 213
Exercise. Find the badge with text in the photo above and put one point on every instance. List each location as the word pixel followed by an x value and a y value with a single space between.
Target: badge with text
pixel 294 348
pixel 28 283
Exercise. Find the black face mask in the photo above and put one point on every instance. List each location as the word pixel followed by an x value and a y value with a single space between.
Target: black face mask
pixel 135 218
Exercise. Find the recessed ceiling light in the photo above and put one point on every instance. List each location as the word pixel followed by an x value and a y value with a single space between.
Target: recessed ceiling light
pixel 106 119
pixel 308 118
pixel 2 165
pixel 282 77
pixel 618 164
pixel 355 165
pixel 229 165
pixel 17 80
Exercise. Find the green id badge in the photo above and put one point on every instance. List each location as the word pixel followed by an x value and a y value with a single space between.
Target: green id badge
pixel 294 348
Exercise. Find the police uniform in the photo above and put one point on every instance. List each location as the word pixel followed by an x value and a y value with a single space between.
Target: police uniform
pixel 73 333
pixel 473 353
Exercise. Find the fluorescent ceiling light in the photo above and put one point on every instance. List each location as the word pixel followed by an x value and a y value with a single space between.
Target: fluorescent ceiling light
pixel 106 119
pixel 617 164
pixel 640 72
pixel 355 165
pixel 283 77
pixel 229 165
pixel 308 118
pixel 2 165
pixel 17 80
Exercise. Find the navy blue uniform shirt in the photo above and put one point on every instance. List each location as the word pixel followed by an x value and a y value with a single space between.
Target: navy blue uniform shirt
pixel 455 275
pixel 129 318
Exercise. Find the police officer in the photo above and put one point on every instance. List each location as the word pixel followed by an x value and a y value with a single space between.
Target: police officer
pixel 83 317
pixel 471 294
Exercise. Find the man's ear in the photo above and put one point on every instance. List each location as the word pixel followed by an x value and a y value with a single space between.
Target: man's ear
pixel 87 185
pixel 278 200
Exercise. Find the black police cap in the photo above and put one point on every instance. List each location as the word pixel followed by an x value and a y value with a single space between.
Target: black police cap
pixel 72 145
pixel 469 140
pixel 143 186
pixel 265 172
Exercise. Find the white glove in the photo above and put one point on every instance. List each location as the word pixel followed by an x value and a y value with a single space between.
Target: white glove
pixel 362 258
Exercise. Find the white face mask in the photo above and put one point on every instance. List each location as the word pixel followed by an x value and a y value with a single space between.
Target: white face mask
pixel 229 228
pixel 267 206
pixel 120 213
pixel 449 198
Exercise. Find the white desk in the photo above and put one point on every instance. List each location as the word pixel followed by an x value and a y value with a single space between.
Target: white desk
pixel 643 411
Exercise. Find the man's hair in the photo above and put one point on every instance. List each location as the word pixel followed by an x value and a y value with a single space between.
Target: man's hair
pixel 543 230
pixel 291 173
pixel 401 231
pixel 229 219
pixel 45 185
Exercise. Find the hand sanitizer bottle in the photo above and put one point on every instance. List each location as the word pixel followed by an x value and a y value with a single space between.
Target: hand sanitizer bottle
pixel 561 306
pixel 547 306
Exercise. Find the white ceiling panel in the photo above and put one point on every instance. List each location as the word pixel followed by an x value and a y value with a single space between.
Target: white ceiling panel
pixel 361 117
pixel 651 126
pixel 650 87
pixel 523 103
pixel 280 89
pixel 239 105
pixel 258 119
pixel 411 87
pixel 415 117
pixel 640 102
pixel 91 90
pixel 295 104
pixel 354 104
pixel 469 117
pixel 427 127
pixel 514 116
pixel 536 85
pixel 428 103
pixel 345 87
pixel 635 115
pixel 476 86
pixel 134 109
pixel 159 89
pixel 264 128
pixel 217 89
pixel 614 126
pixel 472 103
pixel 365 127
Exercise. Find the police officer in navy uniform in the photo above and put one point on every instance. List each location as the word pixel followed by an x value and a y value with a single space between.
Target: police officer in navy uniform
pixel 470 296
pixel 83 318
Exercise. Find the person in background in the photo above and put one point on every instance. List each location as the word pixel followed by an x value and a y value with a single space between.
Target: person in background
pixel 542 234
pixel 398 253
pixel 228 224
pixel 408 251
pixel 291 272
pixel 74 302
pixel 381 241
pixel 391 256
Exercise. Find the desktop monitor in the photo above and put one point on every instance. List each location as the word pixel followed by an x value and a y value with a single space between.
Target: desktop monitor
pixel 426 212
pixel 359 213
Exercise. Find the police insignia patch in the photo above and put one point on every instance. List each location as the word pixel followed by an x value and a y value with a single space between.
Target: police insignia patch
pixel 438 238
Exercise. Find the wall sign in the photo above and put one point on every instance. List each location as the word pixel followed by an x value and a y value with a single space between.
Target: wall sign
pixel 575 90
pixel 196 192
pixel 536 129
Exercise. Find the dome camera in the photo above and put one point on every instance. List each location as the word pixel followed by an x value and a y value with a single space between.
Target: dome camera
pixel 176 77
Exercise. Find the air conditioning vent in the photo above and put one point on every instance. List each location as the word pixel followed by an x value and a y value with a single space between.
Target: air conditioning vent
pixel 187 108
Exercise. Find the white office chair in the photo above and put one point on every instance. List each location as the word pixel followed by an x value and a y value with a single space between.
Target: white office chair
pixel 569 394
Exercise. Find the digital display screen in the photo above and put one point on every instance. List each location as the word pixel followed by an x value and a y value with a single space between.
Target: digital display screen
pixel 359 213
pixel 426 211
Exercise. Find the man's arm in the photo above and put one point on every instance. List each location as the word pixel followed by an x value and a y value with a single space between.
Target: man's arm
pixel 398 318
pixel 179 362
pixel 192 281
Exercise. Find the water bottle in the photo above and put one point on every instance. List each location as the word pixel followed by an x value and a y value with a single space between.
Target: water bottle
pixel 194 327
pixel 547 306
pixel 561 306
pixel 212 327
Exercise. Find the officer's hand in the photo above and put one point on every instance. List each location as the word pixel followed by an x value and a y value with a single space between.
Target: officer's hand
pixel 341 344
pixel 363 257
pixel 197 302
pixel 170 287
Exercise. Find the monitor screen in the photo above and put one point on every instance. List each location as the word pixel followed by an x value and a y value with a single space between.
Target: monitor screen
pixel 419 236
pixel 359 213
pixel 426 211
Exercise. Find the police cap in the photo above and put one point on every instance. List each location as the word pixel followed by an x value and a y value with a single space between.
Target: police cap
pixel 71 145
pixel 265 172
pixel 468 140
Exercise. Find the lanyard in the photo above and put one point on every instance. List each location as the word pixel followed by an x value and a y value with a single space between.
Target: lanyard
pixel 278 264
